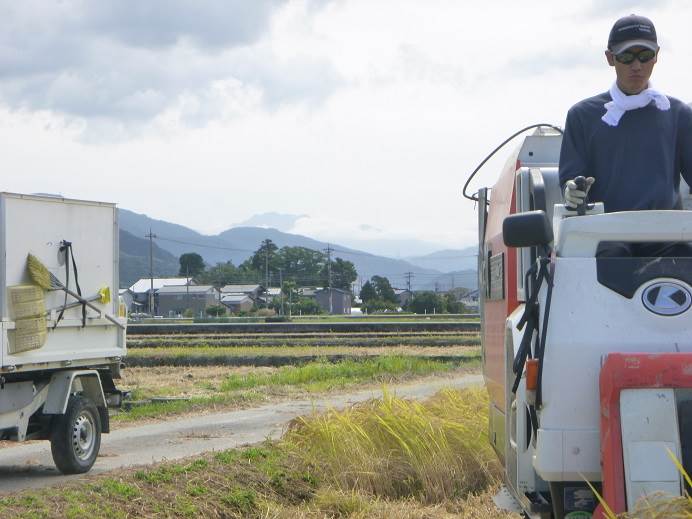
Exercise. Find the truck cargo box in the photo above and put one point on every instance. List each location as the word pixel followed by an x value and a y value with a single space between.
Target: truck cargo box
pixel 34 335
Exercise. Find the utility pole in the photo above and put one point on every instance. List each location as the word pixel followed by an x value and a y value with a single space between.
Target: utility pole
pixel 408 276
pixel 265 244
pixel 151 237
pixel 328 250
pixel 187 285
pixel 281 290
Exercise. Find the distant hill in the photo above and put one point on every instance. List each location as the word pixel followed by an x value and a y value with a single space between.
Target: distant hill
pixel 134 259
pixel 238 243
pixel 448 260
pixel 461 278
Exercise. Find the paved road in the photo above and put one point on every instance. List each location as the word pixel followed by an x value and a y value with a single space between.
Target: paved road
pixel 31 465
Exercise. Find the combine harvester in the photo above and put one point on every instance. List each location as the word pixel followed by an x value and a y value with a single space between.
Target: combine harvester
pixel 587 361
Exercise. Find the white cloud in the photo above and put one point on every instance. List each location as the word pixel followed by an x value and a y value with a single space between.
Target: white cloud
pixel 352 111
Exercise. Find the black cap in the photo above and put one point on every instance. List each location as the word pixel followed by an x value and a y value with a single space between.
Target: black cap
pixel 632 31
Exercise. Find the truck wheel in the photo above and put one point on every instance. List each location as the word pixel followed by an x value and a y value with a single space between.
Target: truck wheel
pixel 76 436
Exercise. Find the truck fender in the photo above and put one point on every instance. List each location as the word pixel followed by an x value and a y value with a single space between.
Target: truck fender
pixel 64 383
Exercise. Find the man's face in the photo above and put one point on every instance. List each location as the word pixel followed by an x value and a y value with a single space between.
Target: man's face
pixel 634 77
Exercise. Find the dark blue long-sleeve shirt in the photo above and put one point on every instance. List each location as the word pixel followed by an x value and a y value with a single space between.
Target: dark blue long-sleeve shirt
pixel 637 164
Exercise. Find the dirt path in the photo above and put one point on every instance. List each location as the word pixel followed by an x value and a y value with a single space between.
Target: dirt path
pixel 31 465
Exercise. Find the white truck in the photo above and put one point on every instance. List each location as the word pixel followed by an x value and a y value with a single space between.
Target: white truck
pixel 59 353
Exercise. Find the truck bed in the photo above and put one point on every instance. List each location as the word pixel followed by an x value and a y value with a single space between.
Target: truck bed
pixel 38 225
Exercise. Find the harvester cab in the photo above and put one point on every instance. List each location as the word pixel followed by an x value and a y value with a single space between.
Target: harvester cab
pixel 587 359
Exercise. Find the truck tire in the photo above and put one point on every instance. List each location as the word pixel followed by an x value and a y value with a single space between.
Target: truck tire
pixel 76 436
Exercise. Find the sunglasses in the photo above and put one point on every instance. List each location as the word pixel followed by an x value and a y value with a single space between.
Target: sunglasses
pixel 628 57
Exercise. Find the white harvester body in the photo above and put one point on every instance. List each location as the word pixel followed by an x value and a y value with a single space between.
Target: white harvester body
pixel 589 311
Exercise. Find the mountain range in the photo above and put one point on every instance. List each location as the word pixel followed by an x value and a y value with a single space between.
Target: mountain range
pixel 236 244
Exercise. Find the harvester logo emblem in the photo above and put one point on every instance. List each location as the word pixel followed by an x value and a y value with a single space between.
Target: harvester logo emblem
pixel 667 298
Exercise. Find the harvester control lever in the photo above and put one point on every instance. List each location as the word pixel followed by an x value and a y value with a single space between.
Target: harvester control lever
pixel 581 186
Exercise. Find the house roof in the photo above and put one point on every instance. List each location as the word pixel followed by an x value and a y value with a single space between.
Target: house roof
pixel 240 289
pixel 323 290
pixel 144 284
pixel 192 289
pixel 234 298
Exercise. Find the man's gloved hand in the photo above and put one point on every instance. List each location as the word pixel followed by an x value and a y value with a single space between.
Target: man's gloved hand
pixel 574 196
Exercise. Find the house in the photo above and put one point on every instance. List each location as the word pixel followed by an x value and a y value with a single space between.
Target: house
pixel 334 300
pixel 403 296
pixel 273 292
pixel 140 291
pixel 173 300
pixel 254 292
pixel 470 301
pixel 237 303
pixel 307 291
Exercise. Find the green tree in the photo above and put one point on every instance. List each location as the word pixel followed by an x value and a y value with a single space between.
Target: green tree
pixel 306 306
pixel 302 265
pixel 216 310
pixel 452 305
pixel 191 264
pixel 379 305
pixel 384 289
pixel 221 274
pixel 265 257
pixel 427 302
pixel 368 292
pixel 343 274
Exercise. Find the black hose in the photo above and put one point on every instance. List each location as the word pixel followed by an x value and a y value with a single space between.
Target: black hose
pixel 486 159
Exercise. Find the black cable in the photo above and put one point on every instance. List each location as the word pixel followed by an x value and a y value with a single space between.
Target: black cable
pixel 486 159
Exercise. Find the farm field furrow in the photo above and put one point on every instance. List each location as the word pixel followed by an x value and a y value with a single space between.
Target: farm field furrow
pixel 441 333
pixel 392 340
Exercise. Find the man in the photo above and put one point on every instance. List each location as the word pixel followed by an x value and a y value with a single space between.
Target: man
pixel 632 143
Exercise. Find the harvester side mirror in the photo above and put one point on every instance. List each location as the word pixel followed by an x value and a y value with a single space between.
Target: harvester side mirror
pixel 527 229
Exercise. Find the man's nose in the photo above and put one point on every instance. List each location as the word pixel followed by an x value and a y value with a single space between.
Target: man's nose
pixel 636 64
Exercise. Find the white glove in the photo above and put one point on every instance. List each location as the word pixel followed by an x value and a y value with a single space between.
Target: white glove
pixel 574 196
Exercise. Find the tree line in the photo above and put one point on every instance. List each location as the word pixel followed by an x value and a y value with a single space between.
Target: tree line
pixel 271 266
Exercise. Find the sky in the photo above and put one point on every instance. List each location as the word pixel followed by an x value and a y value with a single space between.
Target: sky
pixel 362 117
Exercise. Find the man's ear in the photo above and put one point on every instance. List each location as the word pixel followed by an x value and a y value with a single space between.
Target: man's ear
pixel 610 57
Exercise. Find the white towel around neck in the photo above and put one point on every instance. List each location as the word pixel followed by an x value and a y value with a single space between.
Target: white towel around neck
pixel 622 103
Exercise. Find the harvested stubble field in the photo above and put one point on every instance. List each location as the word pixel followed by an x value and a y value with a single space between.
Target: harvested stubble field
pixel 177 390
pixel 204 355
pixel 393 459
pixel 356 339
pixel 196 372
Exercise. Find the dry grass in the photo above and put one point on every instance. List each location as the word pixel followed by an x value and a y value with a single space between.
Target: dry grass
pixel 395 448
pixel 283 480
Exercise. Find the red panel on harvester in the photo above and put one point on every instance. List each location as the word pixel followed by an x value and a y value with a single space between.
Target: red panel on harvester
pixel 631 371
